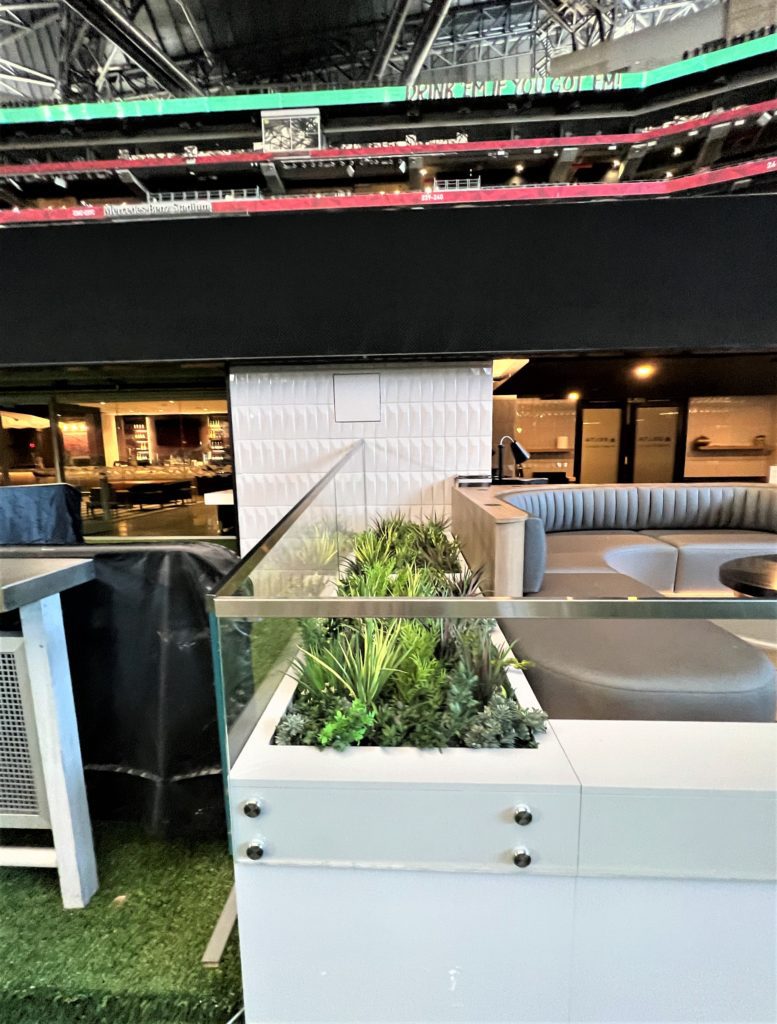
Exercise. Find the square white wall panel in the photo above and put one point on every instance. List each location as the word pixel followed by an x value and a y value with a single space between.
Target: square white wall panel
pixel 357 397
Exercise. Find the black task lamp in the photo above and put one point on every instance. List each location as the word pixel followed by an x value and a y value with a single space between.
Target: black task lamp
pixel 520 455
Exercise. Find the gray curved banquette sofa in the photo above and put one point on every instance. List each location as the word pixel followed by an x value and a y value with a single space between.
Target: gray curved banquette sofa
pixel 641 540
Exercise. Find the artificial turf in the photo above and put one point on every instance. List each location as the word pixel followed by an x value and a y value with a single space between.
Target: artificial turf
pixel 133 955
pixel 269 639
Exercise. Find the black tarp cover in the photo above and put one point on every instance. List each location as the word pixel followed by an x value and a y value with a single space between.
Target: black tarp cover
pixel 40 514
pixel 140 656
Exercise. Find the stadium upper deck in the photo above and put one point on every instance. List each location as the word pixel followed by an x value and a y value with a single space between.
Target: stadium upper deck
pixel 706 123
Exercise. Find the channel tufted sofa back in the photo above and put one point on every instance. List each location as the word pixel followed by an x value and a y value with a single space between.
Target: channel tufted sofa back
pixel 651 507
pixel 637 507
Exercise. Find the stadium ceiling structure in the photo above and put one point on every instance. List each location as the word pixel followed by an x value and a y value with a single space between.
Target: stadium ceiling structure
pixel 74 50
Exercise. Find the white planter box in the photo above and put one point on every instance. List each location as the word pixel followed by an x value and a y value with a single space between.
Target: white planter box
pixel 383 870
pixel 387 889
pixel 402 808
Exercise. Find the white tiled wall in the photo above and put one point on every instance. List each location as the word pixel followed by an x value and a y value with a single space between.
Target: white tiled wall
pixel 734 420
pixel 435 423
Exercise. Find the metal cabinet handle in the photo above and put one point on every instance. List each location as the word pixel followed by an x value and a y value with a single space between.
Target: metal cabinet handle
pixel 523 815
pixel 521 857
pixel 252 808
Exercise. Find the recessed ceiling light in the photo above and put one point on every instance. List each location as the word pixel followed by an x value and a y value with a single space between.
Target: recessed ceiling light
pixel 644 371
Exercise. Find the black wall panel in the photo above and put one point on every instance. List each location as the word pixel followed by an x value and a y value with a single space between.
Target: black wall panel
pixel 680 273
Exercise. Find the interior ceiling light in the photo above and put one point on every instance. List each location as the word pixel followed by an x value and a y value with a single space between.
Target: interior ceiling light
pixel 761 121
pixel 402 166
pixel 503 369
pixel 677 150
pixel 612 147
pixel 573 396
pixel 537 151
pixel 11 420
pixel 669 174
pixel 518 168
pixel 739 122
pixel 644 371
pixel 349 170
pixel 60 181
pixel 694 132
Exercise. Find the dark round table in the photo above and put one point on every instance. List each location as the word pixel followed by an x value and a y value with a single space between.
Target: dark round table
pixel 755 576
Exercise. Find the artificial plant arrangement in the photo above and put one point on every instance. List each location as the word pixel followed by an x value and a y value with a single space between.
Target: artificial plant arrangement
pixel 427 683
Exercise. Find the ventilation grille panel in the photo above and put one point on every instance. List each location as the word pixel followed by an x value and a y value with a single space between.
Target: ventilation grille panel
pixel 18 793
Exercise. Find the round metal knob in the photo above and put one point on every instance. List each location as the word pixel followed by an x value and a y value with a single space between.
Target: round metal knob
pixel 521 858
pixel 254 851
pixel 252 808
pixel 523 816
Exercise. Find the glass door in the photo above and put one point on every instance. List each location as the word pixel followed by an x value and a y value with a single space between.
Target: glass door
pixel 599 448
pixel 653 456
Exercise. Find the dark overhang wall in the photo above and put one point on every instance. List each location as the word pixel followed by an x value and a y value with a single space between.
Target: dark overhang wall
pixel 654 274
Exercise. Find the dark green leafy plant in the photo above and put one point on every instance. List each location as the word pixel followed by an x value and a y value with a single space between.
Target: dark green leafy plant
pixel 504 723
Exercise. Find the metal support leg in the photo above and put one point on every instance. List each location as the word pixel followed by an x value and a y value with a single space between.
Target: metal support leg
pixel 52 696
pixel 220 934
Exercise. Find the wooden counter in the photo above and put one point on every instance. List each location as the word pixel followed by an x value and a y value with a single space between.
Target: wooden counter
pixel 491 534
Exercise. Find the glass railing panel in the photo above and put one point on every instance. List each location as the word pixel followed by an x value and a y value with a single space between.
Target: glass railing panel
pixel 603 646
pixel 298 560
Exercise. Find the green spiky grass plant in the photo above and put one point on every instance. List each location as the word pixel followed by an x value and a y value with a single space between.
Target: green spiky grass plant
pixel 361 660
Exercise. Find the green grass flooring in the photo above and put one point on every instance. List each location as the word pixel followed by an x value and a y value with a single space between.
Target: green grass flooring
pixel 133 955
pixel 269 638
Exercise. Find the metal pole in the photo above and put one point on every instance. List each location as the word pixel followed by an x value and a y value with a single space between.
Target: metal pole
pixel 5 458
pixel 57 450
pixel 388 43
pixel 435 16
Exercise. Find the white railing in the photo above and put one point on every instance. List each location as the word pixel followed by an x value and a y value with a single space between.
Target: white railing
pixel 455 184
pixel 221 193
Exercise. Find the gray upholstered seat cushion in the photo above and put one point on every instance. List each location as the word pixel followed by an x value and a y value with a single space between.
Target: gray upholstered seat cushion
pixel 646 559
pixel 700 554
pixel 535 554
pixel 683 670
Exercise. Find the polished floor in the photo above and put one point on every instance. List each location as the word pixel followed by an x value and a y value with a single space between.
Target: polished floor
pixel 190 520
